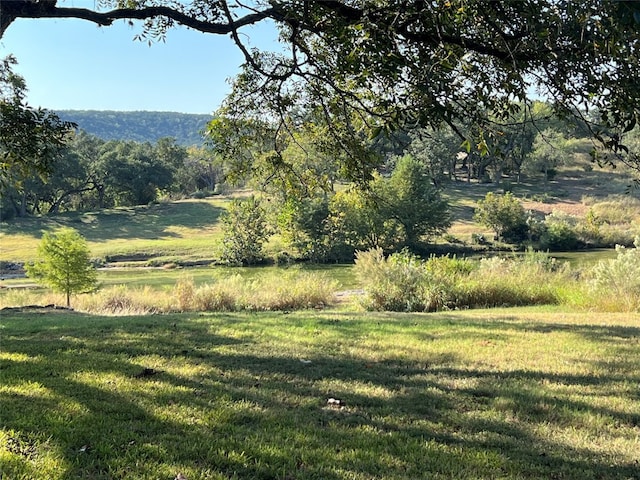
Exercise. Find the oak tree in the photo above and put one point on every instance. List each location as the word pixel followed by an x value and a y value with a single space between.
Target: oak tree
pixel 369 66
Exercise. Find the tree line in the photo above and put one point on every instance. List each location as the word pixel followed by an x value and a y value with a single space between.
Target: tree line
pixel 90 173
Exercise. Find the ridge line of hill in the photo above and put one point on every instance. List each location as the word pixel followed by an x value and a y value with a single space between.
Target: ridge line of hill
pixel 140 125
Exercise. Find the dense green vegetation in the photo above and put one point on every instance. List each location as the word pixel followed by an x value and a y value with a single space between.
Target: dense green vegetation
pixel 507 393
pixel 141 127
pixel 64 263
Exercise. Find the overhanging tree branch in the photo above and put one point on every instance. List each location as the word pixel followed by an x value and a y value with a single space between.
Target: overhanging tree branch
pixel 12 9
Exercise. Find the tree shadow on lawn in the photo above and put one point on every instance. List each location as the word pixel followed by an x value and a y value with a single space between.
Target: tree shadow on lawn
pixel 248 413
pixel 141 222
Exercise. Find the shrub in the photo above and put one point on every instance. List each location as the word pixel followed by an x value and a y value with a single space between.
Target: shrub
pixel 559 233
pixel 244 230
pixel 395 283
pixel 201 194
pixel 402 282
pixel 618 279
pixel 504 215
pixel 542 260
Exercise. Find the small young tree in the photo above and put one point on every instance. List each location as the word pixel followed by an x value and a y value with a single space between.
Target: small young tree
pixel 244 228
pixel 504 215
pixel 550 150
pixel 417 205
pixel 63 263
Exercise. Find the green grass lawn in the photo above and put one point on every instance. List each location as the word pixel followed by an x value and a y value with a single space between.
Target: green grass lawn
pixel 186 229
pixel 518 393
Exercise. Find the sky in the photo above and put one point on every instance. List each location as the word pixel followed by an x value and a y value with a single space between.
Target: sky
pixel 73 64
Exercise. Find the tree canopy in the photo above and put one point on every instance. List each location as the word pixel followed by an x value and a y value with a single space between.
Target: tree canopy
pixel 64 263
pixel 30 138
pixel 364 67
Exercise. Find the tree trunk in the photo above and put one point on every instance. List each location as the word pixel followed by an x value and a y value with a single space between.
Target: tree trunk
pixel 23 205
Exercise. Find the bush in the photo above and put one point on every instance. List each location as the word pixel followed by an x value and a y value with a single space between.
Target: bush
pixel 504 215
pixel 618 280
pixel 244 230
pixel 559 233
pixel 395 283
pixel 402 282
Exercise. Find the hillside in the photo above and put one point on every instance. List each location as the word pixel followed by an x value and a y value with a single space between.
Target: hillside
pixel 140 126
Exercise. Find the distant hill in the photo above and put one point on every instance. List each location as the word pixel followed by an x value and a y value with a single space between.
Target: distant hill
pixel 139 126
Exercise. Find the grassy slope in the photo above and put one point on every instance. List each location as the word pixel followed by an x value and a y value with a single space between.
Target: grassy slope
pixel 185 229
pixel 567 193
pixel 520 393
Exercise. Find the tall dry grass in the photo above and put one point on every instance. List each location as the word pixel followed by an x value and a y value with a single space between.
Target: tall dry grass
pixel 286 290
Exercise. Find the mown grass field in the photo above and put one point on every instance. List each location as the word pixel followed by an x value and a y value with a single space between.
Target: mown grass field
pixel 517 393
pixel 185 229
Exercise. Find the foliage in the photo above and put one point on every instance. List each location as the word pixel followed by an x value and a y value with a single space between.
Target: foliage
pixel 135 172
pixel 357 220
pixel 371 67
pixel 89 173
pixel 200 175
pixel 437 150
pixel 141 127
pixel 550 150
pixel 30 139
pixel 619 278
pixel 244 230
pixel 303 224
pixel 403 210
pixel 559 232
pixel 504 214
pixel 411 200
pixel 64 263
pixel 401 282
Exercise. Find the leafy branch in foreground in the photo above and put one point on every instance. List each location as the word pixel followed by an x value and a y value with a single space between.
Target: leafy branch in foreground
pixel 372 66
pixel 30 138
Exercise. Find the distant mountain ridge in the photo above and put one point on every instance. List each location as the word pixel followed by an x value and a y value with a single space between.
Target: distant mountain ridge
pixel 140 126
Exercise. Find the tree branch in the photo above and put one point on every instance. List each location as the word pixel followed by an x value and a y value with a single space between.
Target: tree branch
pixel 12 9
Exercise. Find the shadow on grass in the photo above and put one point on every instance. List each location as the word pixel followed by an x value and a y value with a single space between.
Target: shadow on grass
pixel 142 222
pixel 229 395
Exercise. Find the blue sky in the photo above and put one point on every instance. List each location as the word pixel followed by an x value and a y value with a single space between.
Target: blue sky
pixel 74 64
